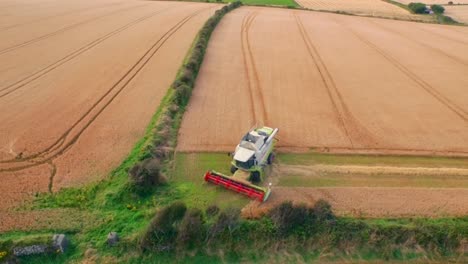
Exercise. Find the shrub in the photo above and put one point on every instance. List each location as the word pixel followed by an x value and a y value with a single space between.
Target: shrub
pixel 145 175
pixel 212 210
pixel 437 9
pixel 162 231
pixel 228 221
pixel 187 76
pixel 288 217
pixel 417 8
pixel 322 212
pixel 450 3
pixel 183 93
pixel 191 229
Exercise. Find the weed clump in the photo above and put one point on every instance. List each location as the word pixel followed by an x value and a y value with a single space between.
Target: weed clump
pixel 162 231
pixel 146 175
pixel 191 229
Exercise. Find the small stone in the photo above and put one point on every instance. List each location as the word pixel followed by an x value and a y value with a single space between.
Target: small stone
pixel 60 242
pixel 29 250
pixel 112 238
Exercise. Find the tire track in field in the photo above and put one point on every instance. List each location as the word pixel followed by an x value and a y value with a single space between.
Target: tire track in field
pixel 421 43
pixel 48 35
pixel 58 15
pixel 61 145
pixel 456 109
pixel 433 32
pixel 4 91
pixel 259 112
pixel 354 131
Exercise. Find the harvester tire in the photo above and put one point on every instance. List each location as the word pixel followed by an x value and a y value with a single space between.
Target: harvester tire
pixel 233 169
pixel 271 158
pixel 255 177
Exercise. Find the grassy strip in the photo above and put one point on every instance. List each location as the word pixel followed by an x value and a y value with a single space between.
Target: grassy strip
pixel 313 158
pixel 115 201
pixel 398 4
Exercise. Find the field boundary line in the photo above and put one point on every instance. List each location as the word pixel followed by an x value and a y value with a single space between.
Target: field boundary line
pixel 40 73
pixel 416 79
pixel 57 145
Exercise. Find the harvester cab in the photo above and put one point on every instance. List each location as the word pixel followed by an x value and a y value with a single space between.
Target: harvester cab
pixel 251 156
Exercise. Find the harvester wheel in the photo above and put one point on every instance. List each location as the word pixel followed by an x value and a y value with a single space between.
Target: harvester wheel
pixel 255 176
pixel 233 169
pixel 271 158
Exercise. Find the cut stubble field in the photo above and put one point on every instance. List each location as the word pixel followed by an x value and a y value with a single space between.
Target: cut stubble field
pixel 79 82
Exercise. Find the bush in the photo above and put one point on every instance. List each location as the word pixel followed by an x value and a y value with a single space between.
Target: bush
pixel 322 212
pixel 145 175
pixel 228 221
pixel 288 217
pixel 162 231
pixel 191 229
pixel 212 210
pixel 417 8
pixel 183 93
pixel 437 9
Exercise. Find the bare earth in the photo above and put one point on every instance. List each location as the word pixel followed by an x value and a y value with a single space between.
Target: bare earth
pixel 333 82
pixel 79 82
pixel 377 8
pixel 459 13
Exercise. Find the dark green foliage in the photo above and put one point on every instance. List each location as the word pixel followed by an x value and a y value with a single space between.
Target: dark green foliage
pixel 183 93
pixel 191 229
pixel 162 230
pixel 437 9
pixel 288 217
pixel 227 222
pixel 300 219
pixel 145 175
pixel 289 225
pixel 322 212
pixel 417 8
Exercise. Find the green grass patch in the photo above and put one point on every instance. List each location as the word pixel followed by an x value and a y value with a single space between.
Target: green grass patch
pixel 313 158
pixel 375 180
pixel 188 177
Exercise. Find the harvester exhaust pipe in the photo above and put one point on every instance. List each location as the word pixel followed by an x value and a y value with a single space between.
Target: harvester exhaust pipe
pixel 272 136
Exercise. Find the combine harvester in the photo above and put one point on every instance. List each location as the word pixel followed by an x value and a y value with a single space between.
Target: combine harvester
pixel 252 155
